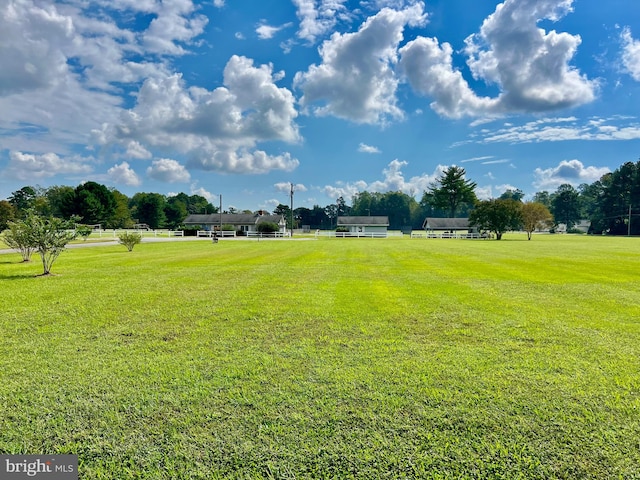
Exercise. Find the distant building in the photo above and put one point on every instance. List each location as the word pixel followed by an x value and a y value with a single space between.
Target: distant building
pixel 374 225
pixel 449 225
pixel 243 222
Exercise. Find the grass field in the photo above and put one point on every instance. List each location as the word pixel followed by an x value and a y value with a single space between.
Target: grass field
pixel 335 358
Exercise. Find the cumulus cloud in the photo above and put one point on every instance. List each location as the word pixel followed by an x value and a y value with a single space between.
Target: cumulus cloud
pixel 630 54
pixel 219 129
pixel 27 166
pixel 123 174
pixel 364 148
pixel 356 80
pixel 530 66
pixel 317 17
pixel 393 180
pixel 567 171
pixel 168 170
pixel 65 66
pixel 135 150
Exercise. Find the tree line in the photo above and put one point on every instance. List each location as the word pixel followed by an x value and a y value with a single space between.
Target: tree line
pixel 611 204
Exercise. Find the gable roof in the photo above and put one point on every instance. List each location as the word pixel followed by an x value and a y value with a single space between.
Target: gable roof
pixel 231 219
pixel 364 221
pixel 431 223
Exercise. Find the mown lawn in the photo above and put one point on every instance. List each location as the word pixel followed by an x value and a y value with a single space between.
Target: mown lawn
pixel 335 358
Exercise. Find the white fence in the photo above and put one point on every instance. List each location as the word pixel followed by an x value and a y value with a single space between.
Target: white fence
pixel 357 234
pixel 449 235
pixel 211 233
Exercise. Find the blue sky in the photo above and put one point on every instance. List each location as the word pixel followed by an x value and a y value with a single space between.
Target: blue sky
pixel 245 97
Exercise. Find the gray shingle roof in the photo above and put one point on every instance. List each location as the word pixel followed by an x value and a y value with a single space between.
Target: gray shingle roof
pixel 230 219
pixel 365 221
pixel 431 223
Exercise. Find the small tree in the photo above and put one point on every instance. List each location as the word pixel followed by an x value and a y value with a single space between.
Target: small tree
pixel 129 239
pixel 49 236
pixel 497 216
pixel 17 237
pixel 535 215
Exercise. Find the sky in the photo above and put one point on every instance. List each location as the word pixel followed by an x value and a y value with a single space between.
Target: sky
pixel 242 99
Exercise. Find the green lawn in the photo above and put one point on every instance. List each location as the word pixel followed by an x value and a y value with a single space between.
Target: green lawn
pixel 335 358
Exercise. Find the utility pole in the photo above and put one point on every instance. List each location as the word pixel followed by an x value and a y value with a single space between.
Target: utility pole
pixel 220 211
pixel 291 207
pixel 629 222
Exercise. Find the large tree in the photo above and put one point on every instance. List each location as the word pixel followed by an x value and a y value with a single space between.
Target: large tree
pixel 535 216
pixel 565 205
pixel 94 204
pixel 23 200
pixel 621 199
pixel 451 191
pixel 7 214
pixel 497 216
pixel 149 208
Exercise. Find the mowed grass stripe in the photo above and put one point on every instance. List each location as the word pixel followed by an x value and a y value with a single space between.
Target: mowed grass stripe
pixel 334 358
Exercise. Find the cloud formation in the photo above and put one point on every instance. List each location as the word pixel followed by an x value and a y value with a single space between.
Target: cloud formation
pixel 317 17
pixel 218 129
pixel 393 181
pixel 27 166
pixel 530 66
pixel 563 129
pixel 168 170
pixel 356 80
pixel 567 171
pixel 630 54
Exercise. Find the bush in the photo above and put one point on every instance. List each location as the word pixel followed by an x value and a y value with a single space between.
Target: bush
pixel 268 227
pixel 342 230
pixel 130 239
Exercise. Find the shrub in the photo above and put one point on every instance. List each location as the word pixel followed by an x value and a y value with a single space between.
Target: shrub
pixel 130 239
pixel 268 227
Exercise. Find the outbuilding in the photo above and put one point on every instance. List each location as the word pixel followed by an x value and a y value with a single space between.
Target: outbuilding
pixel 365 226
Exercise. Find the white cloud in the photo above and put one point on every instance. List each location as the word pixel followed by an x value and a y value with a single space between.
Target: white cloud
pixel 168 170
pixel 567 171
pixel 135 150
pixel 203 192
pixel 175 23
pixel 630 54
pixel 266 32
pixel 27 166
pixel 317 17
pixel 219 129
pixel 218 3
pixel 123 174
pixel 531 67
pixel 285 187
pixel 364 148
pixel 393 181
pixel 65 66
pixel 563 129
pixel 355 80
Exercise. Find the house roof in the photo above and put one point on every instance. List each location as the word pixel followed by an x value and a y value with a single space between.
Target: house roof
pixel 431 223
pixel 364 221
pixel 231 219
